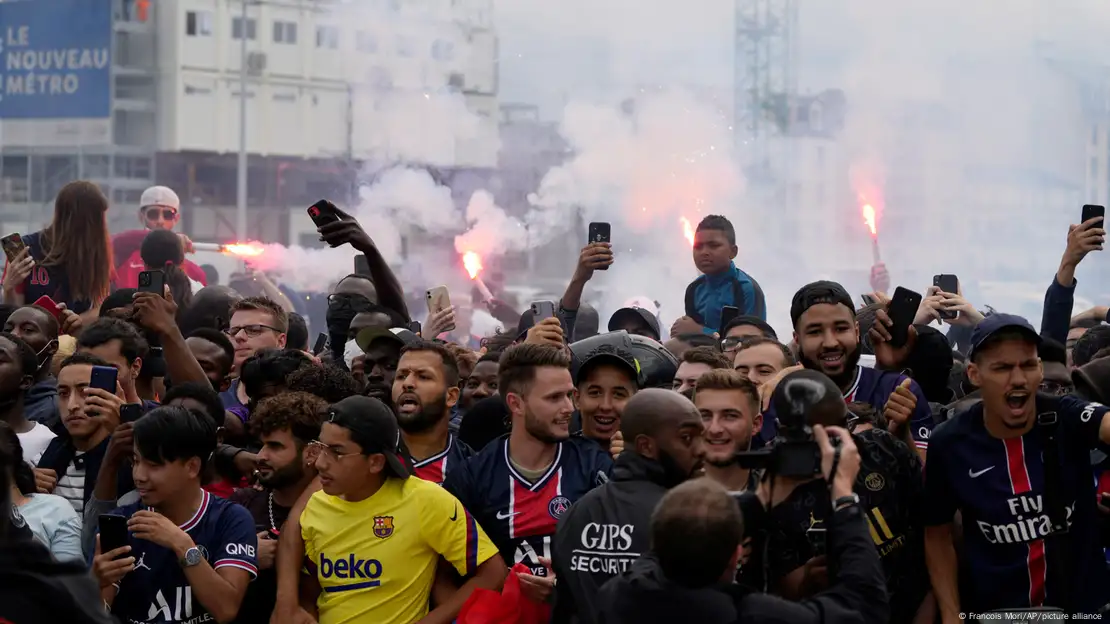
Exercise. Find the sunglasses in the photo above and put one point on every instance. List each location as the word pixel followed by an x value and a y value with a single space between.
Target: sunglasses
pixel 168 214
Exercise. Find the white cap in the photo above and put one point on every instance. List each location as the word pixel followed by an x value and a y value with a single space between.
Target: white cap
pixel 160 196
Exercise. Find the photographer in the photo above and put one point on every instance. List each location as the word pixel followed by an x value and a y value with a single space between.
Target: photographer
pixel 790 547
pixel 696 534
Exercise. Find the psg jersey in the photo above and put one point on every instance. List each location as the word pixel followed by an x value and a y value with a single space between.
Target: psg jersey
pixel 998 486
pixel 873 387
pixel 519 515
pixel 156 590
pixel 436 467
pixel 49 281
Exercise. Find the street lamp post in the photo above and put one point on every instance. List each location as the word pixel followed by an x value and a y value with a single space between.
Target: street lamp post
pixel 241 183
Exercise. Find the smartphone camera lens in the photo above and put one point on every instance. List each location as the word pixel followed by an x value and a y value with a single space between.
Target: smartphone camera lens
pixel 144 279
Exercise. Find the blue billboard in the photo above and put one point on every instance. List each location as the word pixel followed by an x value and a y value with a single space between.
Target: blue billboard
pixel 55 59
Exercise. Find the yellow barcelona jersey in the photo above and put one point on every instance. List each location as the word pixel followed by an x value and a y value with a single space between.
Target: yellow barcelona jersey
pixel 375 559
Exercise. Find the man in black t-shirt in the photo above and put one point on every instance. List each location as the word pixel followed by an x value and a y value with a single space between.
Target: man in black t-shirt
pixel 285 424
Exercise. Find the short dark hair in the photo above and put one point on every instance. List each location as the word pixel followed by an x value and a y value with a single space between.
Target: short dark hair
pixel 706 355
pixel 695 531
pixel 728 379
pixel 104 330
pixel 117 301
pixel 264 304
pixel 788 358
pixel 217 338
pixel 161 247
pixel 490 356
pixel 752 321
pixel 171 433
pixel 297 335
pixel 699 340
pixel 450 364
pixel 28 359
pixel 270 367
pixel 1091 342
pixel 52 327
pixel 498 342
pixel 865 413
pixel 517 368
pixel 1052 351
pixel 202 393
pixel 719 223
pixel 299 412
pixel 86 359
pixel 327 381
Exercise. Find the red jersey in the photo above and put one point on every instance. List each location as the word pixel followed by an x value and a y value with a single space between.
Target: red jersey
pixel 126 249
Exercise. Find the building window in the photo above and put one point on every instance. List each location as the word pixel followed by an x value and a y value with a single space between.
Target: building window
pixel 366 42
pixel 285 32
pixel 327 37
pixel 198 23
pixel 443 50
pixel 237 28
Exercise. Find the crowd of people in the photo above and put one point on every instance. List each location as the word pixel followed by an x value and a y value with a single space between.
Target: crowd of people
pixel 174 450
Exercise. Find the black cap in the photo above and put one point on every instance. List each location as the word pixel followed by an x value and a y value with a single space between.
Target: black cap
pixel 754 321
pixel 991 325
pixel 617 357
pixel 401 335
pixel 819 292
pixel 373 426
pixel 623 315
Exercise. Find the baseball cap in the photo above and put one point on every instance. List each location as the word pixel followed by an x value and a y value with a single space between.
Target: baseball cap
pixel 995 323
pixel 401 335
pixel 634 314
pixel 159 196
pixel 607 354
pixel 373 426
pixel 814 293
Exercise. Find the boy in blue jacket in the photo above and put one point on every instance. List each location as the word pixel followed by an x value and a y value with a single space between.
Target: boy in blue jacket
pixel 721 283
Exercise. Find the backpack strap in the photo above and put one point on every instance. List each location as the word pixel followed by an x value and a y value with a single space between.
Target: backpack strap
pixel 692 300
pixel 1059 557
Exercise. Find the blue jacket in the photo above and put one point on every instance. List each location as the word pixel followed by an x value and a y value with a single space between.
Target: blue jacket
pixel 706 296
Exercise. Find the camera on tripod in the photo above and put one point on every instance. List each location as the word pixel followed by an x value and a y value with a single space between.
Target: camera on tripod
pixel 794 453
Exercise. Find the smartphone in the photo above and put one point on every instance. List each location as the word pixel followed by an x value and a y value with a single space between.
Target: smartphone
pixel 1090 211
pixel 46 303
pixel 323 212
pixel 130 412
pixel 321 343
pixel 950 284
pixel 104 377
pixel 727 314
pixel 817 537
pixel 599 232
pixel 414 327
pixel 113 532
pixel 153 282
pixel 867 299
pixel 362 265
pixel 902 310
pixel 13 245
pixel 439 299
pixel 542 310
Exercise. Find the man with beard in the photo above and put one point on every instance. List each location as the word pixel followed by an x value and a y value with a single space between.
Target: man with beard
pixel 425 389
pixel 519 486
pixel 39 329
pixel 377 366
pixel 286 424
pixel 827 335
pixel 607 529
pixel 729 408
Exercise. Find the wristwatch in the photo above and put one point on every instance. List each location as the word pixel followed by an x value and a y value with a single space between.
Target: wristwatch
pixel 845 501
pixel 192 557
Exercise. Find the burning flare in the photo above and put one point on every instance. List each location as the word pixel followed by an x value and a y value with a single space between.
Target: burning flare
pixel 687 230
pixel 473 264
pixel 869 219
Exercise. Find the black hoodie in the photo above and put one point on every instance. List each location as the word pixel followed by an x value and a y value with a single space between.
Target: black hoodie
pixel 36 588
pixel 604 533
pixel 644 595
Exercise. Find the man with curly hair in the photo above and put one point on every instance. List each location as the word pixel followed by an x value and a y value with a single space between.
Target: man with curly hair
pixel 285 424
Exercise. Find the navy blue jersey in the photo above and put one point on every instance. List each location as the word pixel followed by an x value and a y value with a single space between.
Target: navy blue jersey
pixel 436 467
pixel 157 590
pixel 520 516
pixel 873 387
pixel 49 281
pixel 998 486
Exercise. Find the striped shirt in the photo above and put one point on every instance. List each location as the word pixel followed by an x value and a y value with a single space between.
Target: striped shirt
pixel 71 485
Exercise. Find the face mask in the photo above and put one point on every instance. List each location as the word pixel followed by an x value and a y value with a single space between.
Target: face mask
pixel 350 352
pixel 45 361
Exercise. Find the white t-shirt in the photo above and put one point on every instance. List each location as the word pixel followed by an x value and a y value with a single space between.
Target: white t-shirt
pixel 34 442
